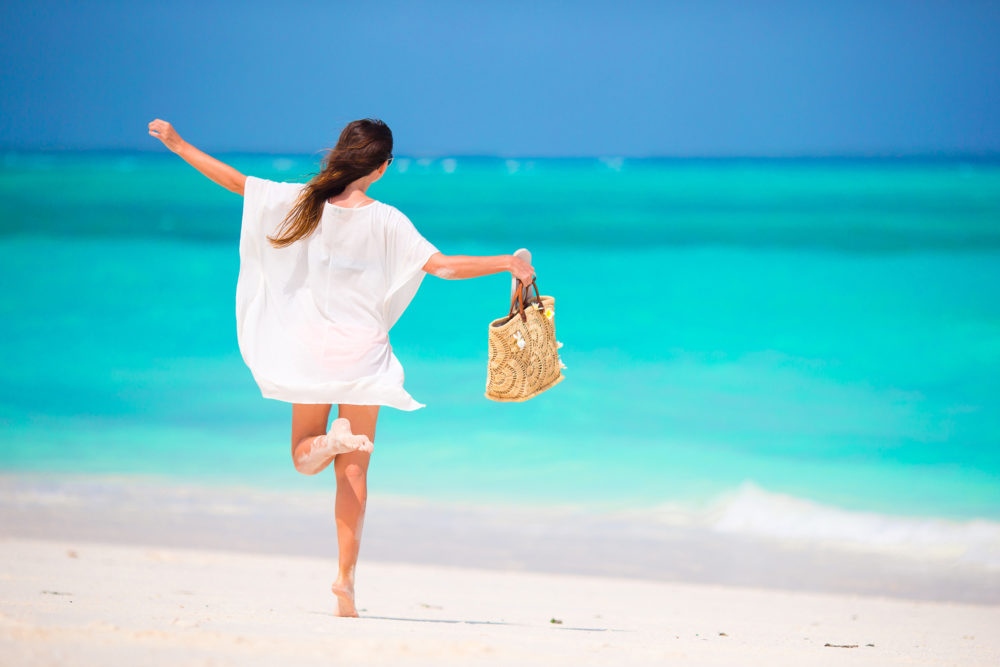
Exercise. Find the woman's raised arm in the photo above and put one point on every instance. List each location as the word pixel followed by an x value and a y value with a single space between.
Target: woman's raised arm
pixel 460 267
pixel 220 172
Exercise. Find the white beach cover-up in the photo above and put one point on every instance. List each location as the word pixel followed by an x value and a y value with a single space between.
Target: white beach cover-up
pixel 313 318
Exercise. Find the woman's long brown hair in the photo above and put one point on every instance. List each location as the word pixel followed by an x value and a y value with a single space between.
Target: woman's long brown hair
pixel 361 149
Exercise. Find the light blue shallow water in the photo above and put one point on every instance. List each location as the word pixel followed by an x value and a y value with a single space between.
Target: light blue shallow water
pixel 825 330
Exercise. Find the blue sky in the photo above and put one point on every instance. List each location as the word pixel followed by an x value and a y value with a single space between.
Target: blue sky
pixel 508 78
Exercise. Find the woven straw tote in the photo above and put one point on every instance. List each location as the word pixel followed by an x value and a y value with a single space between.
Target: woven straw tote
pixel 523 357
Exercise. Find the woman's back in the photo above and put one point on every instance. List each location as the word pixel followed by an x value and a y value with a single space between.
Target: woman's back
pixel 334 293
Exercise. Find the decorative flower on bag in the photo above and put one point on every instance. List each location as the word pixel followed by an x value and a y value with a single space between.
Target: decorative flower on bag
pixel 561 364
pixel 558 345
pixel 549 312
pixel 520 339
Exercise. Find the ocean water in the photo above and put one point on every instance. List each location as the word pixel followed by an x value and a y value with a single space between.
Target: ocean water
pixel 813 345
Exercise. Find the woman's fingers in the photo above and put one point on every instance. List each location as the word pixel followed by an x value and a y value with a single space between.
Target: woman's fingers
pixel 159 126
pixel 165 132
pixel 522 270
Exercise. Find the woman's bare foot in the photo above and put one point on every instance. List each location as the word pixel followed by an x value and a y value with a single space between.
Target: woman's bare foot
pixel 342 439
pixel 344 590
pixel 321 449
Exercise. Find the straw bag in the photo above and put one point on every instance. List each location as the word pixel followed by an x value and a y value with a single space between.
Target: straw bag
pixel 523 357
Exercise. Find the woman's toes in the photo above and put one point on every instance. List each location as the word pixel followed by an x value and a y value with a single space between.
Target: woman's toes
pixel 341 430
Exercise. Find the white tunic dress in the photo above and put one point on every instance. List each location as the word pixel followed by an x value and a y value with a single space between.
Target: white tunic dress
pixel 313 318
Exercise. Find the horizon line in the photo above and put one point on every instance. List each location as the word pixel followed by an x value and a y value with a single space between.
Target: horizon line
pixel 874 155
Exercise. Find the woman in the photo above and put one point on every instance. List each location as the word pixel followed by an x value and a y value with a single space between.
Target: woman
pixel 325 271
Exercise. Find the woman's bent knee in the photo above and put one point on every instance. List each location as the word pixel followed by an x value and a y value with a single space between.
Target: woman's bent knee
pixel 305 470
pixel 354 472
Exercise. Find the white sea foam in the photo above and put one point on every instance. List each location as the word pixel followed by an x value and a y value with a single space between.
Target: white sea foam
pixel 753 511
pixel 748 511
pixel 449 165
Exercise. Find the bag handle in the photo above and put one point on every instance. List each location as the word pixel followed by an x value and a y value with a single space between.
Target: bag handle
pixel 516 300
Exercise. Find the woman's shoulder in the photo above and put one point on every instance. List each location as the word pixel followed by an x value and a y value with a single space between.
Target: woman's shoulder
pixel 274 188
pixel 387 207
pixel 269 182
pixel 390 213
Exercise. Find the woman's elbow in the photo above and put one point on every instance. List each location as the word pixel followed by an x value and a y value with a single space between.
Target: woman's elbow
pixel 440 265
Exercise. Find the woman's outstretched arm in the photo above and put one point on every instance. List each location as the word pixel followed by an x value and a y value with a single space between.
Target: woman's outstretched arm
pixel 459 267
pixel 220 172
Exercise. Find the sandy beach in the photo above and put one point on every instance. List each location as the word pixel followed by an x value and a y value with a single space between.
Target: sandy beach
pixel 75 602
pixel 97 571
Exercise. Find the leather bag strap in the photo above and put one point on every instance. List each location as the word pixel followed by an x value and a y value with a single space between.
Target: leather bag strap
pixel 519 292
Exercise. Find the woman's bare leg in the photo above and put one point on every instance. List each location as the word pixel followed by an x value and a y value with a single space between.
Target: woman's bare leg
pixel 352 494
pixel 313 446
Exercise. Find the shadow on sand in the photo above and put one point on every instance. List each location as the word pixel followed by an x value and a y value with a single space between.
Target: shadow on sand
pixel 449 620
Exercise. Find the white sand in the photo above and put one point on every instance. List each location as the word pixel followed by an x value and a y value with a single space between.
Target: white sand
pixel 74 602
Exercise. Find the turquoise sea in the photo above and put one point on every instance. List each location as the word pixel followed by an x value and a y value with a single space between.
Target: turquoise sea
pixel 802 340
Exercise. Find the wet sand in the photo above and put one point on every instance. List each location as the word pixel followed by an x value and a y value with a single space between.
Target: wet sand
pixel 562 540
